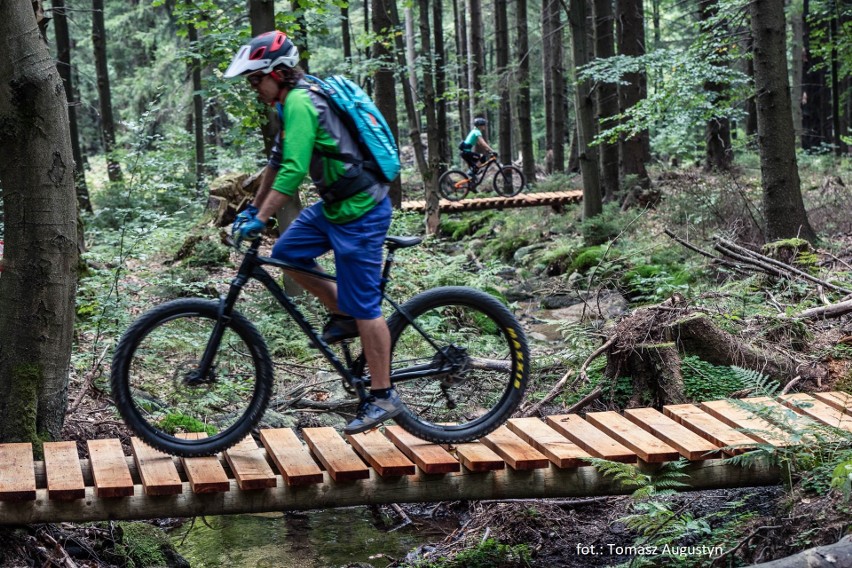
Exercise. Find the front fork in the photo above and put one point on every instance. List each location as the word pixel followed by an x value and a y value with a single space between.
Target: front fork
pixel 206 367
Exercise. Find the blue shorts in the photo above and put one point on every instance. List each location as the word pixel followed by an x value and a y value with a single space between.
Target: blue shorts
pixel 358 253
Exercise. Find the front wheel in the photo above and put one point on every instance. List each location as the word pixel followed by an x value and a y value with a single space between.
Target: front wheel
pixel 454 185
pixel 509 181
pixel 165 399
pixel 464 371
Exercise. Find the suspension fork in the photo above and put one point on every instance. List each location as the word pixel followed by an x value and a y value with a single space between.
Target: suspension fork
pixel 226 307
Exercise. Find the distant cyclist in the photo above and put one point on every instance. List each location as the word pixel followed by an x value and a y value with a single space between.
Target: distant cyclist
pixel 475 148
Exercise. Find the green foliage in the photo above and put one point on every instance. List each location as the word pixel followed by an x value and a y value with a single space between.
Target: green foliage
pixel 208 253
pixel 705 381
pixel 605 226
pixel 176 423
pixel 465 225
pixel 589 257
pixel 142 545
pixel 841 477
pixel 487 554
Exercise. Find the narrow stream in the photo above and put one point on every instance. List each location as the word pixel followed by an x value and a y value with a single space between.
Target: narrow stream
pixel 312 539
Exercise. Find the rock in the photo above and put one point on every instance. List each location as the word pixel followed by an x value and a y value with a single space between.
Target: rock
pixel 608 305
pixel 524 252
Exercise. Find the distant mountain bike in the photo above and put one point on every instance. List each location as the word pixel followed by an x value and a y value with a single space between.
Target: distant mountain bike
pixel 193 377
pixel 508 180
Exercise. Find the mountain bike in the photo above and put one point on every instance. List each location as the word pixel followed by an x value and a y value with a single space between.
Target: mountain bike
pixel 508 180
pixel 193 377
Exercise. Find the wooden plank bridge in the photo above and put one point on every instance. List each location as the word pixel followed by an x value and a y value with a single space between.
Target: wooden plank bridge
pixel 553 199
pixel 526 458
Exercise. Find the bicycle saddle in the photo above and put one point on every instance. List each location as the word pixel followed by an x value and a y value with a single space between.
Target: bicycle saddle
pixel 394 243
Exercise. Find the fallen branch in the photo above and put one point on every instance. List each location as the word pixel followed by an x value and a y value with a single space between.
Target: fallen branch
pixel 88 380
pixel 762 259
pixel 557 388
pixel 751 261
pixel 829 311
pixel 702 252
pixel 586 400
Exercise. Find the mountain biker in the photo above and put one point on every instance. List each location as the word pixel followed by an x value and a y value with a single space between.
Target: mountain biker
pixel 475 148
pixel 352 219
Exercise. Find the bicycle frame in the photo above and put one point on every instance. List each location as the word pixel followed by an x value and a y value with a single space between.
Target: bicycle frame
pixel 482 170
pixel 252 268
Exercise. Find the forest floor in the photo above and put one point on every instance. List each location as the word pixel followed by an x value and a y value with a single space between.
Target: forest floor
pixel 547 284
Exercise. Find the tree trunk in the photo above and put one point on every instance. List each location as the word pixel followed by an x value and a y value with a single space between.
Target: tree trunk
pixel 384 81
pixel 557 87
pixel 504 119
pixel 835 38
pixel 476 57
pixel 589 163
pixel 547 81
pixel 523 104
pixel 797 60
pixel 410 49
pixel 197 109
pixel 63 56
pixel 38 286
pixel 433 139
pixel 461 48
pixel 346 34
pixel 390 9
pixel 814 97
pixel 782 196
pixel 630 35
pixel 441 86
pixel 607 98
pixel 104 93
pixel 262 19
pixel 718 153
pixel 300 37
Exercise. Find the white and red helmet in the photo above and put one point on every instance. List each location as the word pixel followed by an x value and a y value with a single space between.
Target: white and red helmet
pixel 264 53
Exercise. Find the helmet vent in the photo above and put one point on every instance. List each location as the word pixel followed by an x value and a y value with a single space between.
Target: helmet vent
pixel 258 53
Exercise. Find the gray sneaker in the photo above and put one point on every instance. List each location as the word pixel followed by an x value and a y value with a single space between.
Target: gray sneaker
pixel 374 411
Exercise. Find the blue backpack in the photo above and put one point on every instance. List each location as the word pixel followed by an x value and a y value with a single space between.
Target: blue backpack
pixel 364 122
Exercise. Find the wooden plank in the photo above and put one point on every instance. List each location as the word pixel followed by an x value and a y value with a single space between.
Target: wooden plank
pixel 205 474
pixel 517 453
pixel 825 413
pixel 249 465
pixel 690 445
pixel 430 458
pixel 63 471
pixel 751 425
pixel 381 454
pixel 291 457
pixel 839 400
pixel 710 428
pixel 17 473
pixel 479 457
pixel 558 449
pixel 156 469
pixel 780 412
pixel 341 461
pixel 589 438
pixel 109 468
pixel 646 446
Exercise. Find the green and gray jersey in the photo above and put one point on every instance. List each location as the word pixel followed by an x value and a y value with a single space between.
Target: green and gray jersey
pixel 309 126
pixel 472 137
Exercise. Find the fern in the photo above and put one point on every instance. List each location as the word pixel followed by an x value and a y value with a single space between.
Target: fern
pixel 757 381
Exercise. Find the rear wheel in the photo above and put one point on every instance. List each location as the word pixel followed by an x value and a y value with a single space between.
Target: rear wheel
pixel 509 181
pixel 161 396
pixel 468 374
pixel 454 185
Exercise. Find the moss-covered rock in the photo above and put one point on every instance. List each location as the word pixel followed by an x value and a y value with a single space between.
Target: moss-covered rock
pixel 145 546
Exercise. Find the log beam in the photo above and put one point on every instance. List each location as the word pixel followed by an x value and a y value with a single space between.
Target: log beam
pixel 505 484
